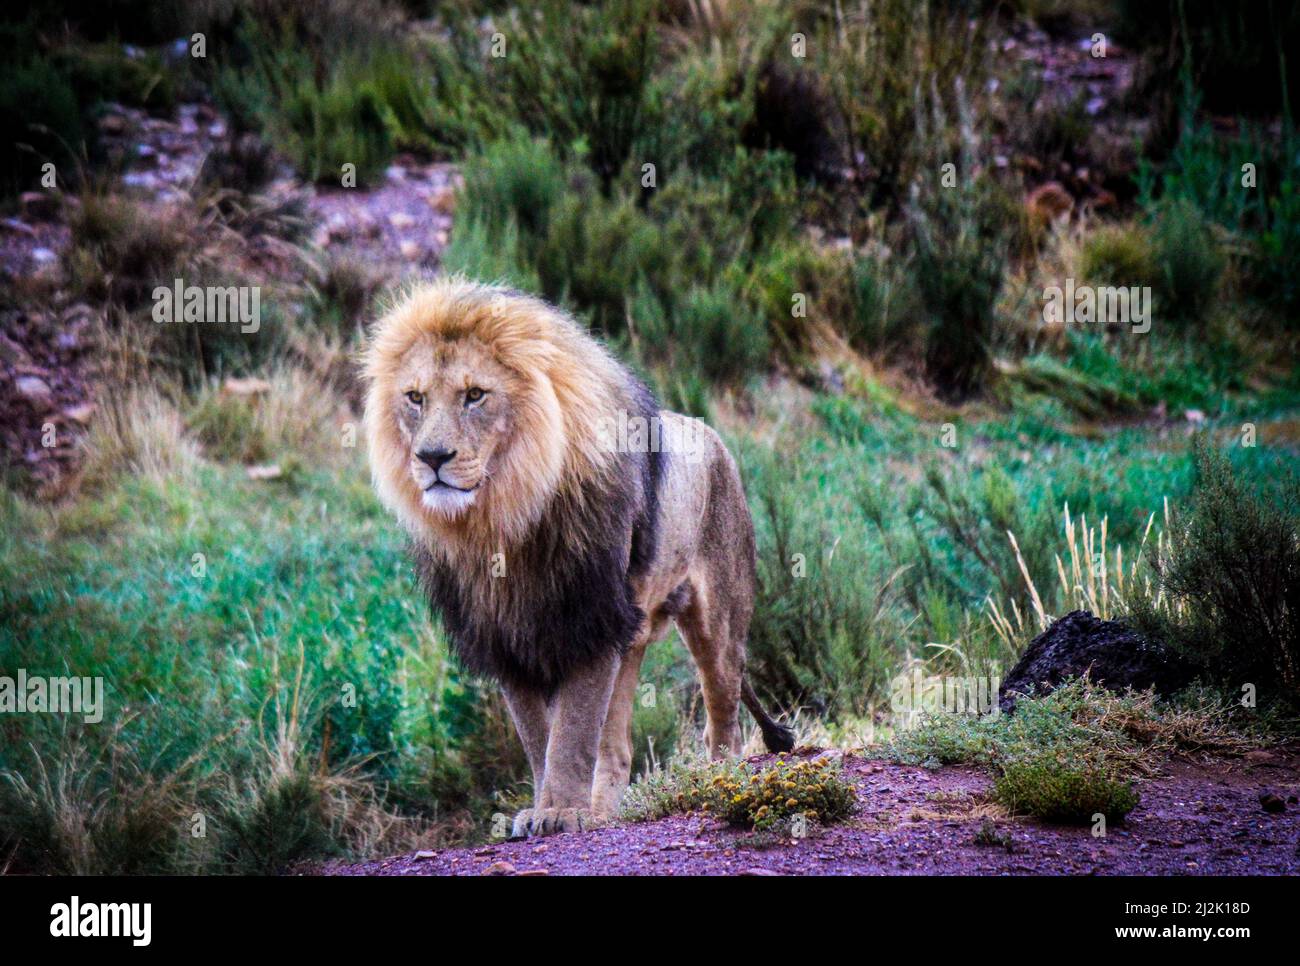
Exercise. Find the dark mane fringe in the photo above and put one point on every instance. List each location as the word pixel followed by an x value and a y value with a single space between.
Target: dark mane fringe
pixel 579 601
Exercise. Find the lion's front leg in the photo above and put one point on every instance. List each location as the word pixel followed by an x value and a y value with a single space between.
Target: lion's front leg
pixel 577 714
pixel 532 717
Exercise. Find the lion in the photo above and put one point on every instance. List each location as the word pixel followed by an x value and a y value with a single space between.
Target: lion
pixel 554 535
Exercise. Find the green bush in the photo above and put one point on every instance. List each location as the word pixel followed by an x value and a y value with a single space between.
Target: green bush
pixel 1118 255
pixel 1236 565
pixel 884 305
pixel 1280 243
pixel 1188 263
pixel 960 258
pixel 1059 788
pixel 38 110
pixel 327 85
pixel 516 180
pixel 723 338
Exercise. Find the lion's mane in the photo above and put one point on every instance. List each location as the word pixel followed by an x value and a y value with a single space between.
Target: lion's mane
pixel 569 517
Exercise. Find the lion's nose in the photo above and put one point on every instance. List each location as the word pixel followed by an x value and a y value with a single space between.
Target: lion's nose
pixel 435 458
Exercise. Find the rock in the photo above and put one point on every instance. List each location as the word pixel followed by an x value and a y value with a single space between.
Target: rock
pixel 13 353
pixel 339 226
pixel 1273 804
pixel 38 206
pixel 409 251
pixel 34 389
pixel 80 413
pixel 43 256
pixel 18 227
pixel 270 472
pixel 400 220
pixel 499 868
pixel 535 872
pixel 1112 654
pixel 251 386
pixel 1048 202
pixel 424 855
pixel 443 201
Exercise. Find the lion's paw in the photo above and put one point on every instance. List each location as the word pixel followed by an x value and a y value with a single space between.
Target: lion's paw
pixel 547 821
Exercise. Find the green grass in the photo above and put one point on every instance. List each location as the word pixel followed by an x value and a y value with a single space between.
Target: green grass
pixel 221 613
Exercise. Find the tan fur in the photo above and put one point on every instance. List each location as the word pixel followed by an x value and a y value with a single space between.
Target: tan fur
pixel 531 457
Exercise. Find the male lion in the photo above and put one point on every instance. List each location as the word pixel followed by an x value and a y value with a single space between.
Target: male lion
pixel 555 546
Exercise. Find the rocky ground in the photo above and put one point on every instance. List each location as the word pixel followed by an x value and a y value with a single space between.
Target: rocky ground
pixel 47 374
pixel 1206 817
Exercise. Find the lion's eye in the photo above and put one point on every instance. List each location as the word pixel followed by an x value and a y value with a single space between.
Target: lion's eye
pixel 474 394
pixel 415 397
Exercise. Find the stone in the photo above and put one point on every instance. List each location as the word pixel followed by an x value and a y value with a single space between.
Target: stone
pixel 1112 654
pixel 34 389
pixel 38 206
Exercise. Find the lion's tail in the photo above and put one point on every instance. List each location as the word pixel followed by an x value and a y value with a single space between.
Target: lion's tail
pixel 777 737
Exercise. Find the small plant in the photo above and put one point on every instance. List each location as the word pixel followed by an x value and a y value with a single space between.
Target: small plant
pixel 1118 255
pixel 760 799
pixel 1069 789
pixel 1188 263
pixel 988 835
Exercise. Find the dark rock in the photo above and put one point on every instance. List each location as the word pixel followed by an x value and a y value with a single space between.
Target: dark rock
pixel 1111 653
pixel 1272 803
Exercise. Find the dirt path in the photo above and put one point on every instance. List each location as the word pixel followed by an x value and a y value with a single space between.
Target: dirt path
pixel 1197 818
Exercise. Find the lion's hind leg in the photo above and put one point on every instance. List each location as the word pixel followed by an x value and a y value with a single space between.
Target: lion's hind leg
pixel 717 643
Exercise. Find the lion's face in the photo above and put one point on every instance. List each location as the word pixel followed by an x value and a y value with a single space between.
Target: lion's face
pixel 452 403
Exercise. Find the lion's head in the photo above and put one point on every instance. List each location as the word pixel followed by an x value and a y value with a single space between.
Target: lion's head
pixel 480 410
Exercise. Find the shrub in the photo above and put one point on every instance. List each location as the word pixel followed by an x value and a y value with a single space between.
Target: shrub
pixel 120 251
pixel 960 259
pixel 884 305
pixel 1188 263
pixel 1069 789
pixel 876 58
pixel 75 808
pixel 516 180
pixel 1280 243
pixel 721 335
pixel 38 110
pixel 327 83
pixel 818 637
pixel 739 794
pixel 140 432
pixel 293 416
pixel 1118 255
pixel 1236 564
pixel 579 76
